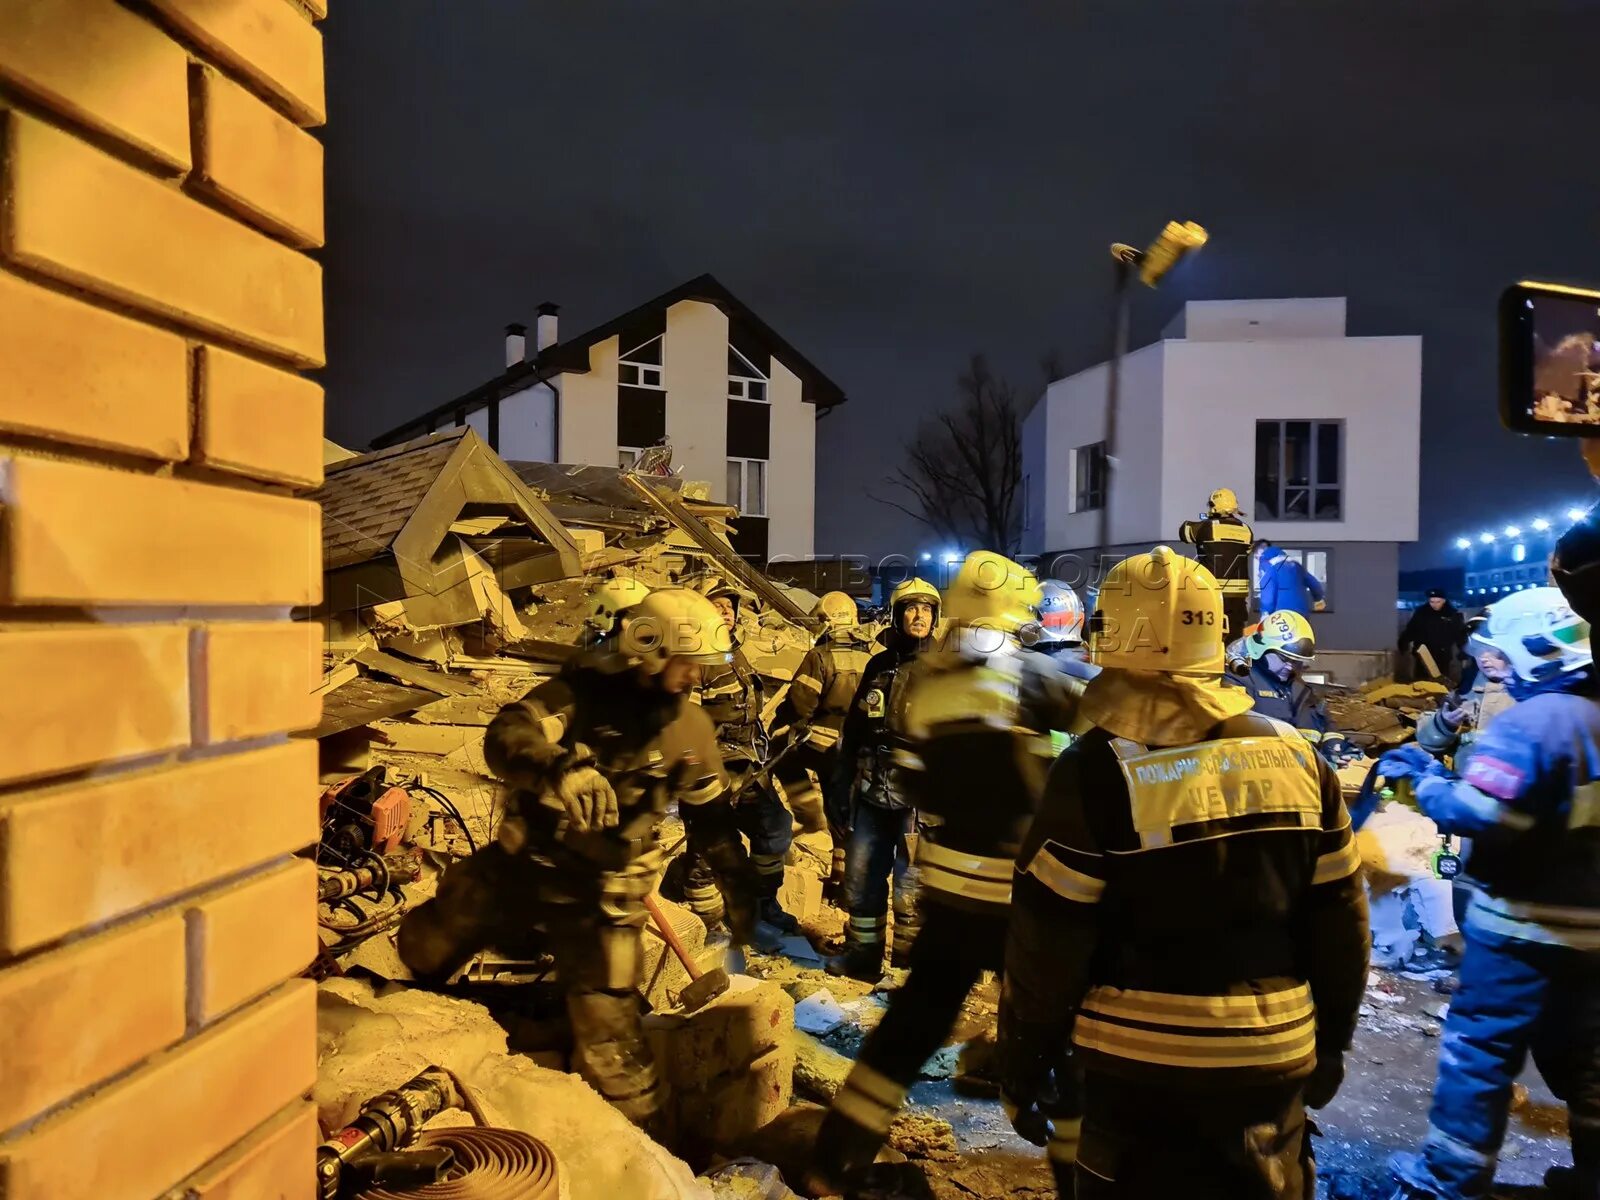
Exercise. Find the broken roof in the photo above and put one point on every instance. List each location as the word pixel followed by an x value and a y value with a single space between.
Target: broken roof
pixel 402 501
pixel 573 355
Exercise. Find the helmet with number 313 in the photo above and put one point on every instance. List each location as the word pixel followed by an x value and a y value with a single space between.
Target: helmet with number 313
pixel 1158 611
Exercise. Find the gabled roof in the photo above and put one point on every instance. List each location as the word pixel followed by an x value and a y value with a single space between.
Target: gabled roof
pixel 573 355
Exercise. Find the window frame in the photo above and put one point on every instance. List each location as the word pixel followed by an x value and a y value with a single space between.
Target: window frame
pixel 636 451
pixel 738 503
pixel 1313 485
pixel 751 374
pixel 627 363
pixel 1079 503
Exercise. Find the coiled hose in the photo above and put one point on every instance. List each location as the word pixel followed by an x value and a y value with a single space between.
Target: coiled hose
pixel 490 1164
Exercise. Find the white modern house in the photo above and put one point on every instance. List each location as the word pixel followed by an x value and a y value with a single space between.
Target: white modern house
pixel 1316 432
pixel 693 366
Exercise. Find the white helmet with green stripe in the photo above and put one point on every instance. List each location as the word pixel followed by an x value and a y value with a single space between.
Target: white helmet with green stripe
pixel 1538 633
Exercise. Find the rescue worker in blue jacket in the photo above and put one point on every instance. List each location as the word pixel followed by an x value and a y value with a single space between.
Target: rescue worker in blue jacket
pixel 974 750
pixel 1529 797
pixel 1267 662
pixel 815 709
pixel 732 697
pixel 1188 913
pixel 882 819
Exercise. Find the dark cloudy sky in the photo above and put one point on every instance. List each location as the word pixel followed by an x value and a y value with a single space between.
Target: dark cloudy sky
pixel 895 184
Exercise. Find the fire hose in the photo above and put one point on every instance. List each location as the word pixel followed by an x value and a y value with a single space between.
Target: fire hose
pixel 384 1154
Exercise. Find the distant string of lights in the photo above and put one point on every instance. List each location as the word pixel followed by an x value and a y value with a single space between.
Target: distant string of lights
pixel 1511 532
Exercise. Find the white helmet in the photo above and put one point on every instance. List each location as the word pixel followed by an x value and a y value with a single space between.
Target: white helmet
pixel 676 623
pixel 1538 633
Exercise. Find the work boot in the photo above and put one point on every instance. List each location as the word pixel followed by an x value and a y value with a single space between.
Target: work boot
pixel 857 962
pixel 772 913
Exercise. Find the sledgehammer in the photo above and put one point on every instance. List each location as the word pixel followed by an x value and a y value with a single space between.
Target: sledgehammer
pixel 704 986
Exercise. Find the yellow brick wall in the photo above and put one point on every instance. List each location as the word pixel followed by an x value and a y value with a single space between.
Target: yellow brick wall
pixel 160 207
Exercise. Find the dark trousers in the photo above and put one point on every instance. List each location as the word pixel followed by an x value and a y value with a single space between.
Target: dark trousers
pixel 722 878
pixel 953 949
pixel 1514 998
pixel 1146 1141
pixel 878 860
pixel 806 774
pixel 590 919
pixel 1236 611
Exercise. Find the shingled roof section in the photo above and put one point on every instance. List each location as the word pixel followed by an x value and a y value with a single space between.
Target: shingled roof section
pixel 368 499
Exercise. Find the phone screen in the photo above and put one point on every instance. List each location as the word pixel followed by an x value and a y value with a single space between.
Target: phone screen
pixel 1550 359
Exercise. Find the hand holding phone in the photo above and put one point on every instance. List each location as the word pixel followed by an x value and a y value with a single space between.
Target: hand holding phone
pixel 1550 362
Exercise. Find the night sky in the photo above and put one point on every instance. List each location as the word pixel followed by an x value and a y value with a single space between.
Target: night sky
pixel 895 184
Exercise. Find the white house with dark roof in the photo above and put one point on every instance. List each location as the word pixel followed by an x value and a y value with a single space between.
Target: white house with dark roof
pixel 693 366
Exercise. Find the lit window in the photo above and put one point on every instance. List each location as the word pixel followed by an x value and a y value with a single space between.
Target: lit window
pixel 747 486
pixel 1299 470
pixel 641 366
pixel 1519 552
pixel 627 456
pixel 745 381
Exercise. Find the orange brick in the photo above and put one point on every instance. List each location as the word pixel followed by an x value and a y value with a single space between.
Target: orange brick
pixel 263 166
pixel 257 677
pixel 249 938
pixel 143 1135
pixel 274 1163
pixel 80 534
pixel 96 63
pixel 58 1033
pixel 84 694
pixel 136 839
pixel 81 215
pixel 256 420
pixel 265 40
pixel 84 375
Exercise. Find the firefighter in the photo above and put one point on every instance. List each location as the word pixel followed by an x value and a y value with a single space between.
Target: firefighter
pixel 1530 975
pixel 1273 654
pixel 1188 910
pixel 1222 546
pixel 590 760
pixel 732 696
pixel 974 750
pixel 817 703
pixel 1059 635
pixel 882 821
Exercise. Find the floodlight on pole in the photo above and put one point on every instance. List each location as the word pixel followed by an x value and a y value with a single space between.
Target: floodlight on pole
pixel 1177 240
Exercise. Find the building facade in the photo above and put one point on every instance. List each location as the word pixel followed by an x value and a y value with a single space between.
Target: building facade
pixel 694 368
pixel 1316 432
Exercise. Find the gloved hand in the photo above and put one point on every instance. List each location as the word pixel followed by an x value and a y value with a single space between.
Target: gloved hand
pixel 1322 1085
pixel 588 799
pixel 1454 716
pixel 1410 761
pixel 1319 606
pixel 1026 1117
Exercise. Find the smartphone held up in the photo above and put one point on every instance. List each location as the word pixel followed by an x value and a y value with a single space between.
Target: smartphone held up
pixel 1550 359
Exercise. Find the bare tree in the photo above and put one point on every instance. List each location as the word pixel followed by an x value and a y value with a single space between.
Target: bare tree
pixel 962 476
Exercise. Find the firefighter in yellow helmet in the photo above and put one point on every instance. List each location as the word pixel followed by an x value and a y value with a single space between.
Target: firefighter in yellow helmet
pixel 1188 912
pixel 882 820
pixel 1221 539
pixel 973 750
pixel 734 696
pixel 814 709
pixel 1272 655
pixel 607 603
pixel 590 760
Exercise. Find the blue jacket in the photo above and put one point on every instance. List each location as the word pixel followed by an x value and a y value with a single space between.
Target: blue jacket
pixel 1287 586
pixel 1527 797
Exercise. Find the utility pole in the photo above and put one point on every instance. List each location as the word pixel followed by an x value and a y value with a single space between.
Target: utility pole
pixel 1153 263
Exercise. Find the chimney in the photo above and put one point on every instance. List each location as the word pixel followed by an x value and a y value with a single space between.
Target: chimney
pixel 547 325
pixel 516 344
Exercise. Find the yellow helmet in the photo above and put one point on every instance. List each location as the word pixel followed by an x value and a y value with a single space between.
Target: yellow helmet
pixel 836 611
pixel 610 600
pixel 676 623
pixel 992 592
pixel 1158 612
pixel 914 589
pixel 1287 633
pixel 1224 501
